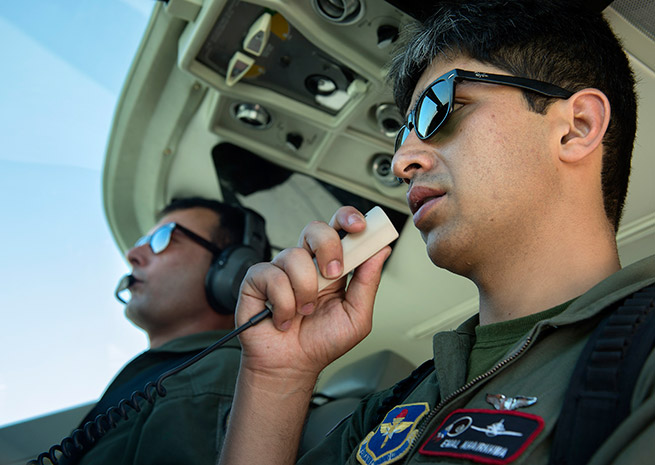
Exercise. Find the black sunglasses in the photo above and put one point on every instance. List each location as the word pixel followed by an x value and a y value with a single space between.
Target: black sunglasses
pixel 436 102
pixel 161 237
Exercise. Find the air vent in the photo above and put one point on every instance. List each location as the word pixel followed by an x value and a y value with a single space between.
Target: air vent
pixel 381 169
pixel 388 119
pixel 339 11
pixel 252 115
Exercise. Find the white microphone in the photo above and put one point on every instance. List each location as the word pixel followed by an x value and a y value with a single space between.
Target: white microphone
pixel 123 285
pixel 359 247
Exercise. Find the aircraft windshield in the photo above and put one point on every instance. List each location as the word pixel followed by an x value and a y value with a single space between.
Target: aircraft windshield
pixel 64 64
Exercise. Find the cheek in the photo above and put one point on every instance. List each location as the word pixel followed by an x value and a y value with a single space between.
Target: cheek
pixel 496 162
pixel 196 274
pixel 183 276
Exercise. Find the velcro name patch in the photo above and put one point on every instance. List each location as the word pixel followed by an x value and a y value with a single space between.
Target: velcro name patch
pixel 484 436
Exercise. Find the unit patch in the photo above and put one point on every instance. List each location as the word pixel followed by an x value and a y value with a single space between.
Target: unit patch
pixel 393 438
pixel 484 436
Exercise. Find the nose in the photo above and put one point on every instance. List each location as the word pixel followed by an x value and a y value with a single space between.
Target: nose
pixel 138 255
pixel 411 158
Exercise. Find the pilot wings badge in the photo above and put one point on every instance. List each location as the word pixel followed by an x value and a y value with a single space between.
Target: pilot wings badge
pixel 393 438
pixel 502 402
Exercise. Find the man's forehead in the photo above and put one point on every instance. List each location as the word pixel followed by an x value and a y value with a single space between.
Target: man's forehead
pixel 198 219
pixel 438 68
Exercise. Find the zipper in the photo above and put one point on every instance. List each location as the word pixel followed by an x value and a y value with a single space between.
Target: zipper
pixel 464 388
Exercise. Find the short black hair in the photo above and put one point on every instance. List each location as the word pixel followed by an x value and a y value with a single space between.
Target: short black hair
pixel 230 220
pixel 556 41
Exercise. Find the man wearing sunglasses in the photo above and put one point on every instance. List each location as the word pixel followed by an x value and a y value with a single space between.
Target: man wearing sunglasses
pixel 520 122
pixel 170 302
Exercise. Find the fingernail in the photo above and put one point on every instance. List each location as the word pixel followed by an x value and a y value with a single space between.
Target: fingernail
pixel 334 269
pixel 355 218
pixel 307 309
pixel 285 325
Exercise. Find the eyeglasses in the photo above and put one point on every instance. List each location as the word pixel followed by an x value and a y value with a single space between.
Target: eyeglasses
pixel 436 102
pixel 161 237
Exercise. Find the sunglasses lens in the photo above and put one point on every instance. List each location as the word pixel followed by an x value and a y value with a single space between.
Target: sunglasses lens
pixel 161 238
pixel 141 241
pixel 400 138
pixel 433 109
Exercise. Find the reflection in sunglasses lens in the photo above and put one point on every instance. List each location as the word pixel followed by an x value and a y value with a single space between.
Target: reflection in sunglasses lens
pixel 141 241
pixel 161 238
pixel 430 113
pixel 433 110
pixel 400 138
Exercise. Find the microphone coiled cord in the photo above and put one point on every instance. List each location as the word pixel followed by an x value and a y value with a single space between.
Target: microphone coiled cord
pixel 82 439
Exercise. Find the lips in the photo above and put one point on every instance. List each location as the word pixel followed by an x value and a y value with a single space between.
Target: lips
pixel 419 195
pixel 133 280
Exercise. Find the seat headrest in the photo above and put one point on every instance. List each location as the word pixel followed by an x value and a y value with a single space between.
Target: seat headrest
pixel 344 389
pixel 370 374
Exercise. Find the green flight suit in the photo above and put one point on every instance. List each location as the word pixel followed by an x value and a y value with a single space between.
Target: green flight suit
pixel 187 426
pixel 538 366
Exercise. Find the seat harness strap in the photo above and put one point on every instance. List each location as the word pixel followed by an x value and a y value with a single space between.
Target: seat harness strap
pixel 600 391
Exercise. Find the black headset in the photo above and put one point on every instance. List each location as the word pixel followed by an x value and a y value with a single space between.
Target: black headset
pixel 228 269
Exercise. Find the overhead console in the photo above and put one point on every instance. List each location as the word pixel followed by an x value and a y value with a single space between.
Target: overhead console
pixel 270 53
pixel 302 83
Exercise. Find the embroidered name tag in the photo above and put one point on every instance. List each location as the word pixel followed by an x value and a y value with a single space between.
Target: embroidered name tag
pixel 392 439
pixel 484 436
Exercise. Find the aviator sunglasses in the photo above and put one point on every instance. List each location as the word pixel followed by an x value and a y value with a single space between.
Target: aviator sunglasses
pixel 161 237
pixel 436 102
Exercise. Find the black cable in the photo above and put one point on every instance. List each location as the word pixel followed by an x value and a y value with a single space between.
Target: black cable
pixel 82 439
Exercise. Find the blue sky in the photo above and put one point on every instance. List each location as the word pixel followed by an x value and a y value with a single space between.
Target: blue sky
pixel 63 335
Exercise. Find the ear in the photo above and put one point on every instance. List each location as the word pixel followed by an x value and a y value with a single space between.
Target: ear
pixel 586 117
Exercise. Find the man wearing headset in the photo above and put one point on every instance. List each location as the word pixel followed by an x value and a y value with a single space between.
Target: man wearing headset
pixel 520 122
pixel 183 285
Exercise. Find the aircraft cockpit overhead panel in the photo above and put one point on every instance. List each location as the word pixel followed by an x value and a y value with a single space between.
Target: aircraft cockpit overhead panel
pixel 303 87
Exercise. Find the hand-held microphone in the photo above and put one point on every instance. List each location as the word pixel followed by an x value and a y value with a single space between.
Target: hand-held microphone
pixel 124 284
pixel 359 247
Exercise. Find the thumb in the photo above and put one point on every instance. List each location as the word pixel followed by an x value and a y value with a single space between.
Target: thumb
pixel 363 287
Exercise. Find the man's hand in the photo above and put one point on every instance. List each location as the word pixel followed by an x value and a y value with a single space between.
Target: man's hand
pixel 309 329
pixel 282 357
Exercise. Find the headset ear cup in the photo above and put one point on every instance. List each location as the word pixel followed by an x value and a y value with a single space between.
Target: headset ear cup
pixel 225 274
pixel 224 277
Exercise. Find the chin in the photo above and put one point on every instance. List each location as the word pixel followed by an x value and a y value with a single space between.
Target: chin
pixel 129 313
pixel 133 311
pixel 446 254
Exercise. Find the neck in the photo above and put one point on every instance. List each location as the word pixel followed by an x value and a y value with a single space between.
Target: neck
pixel 544 274
pixel 160 336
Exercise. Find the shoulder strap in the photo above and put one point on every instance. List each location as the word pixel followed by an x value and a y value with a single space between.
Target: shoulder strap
pixel 599 394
